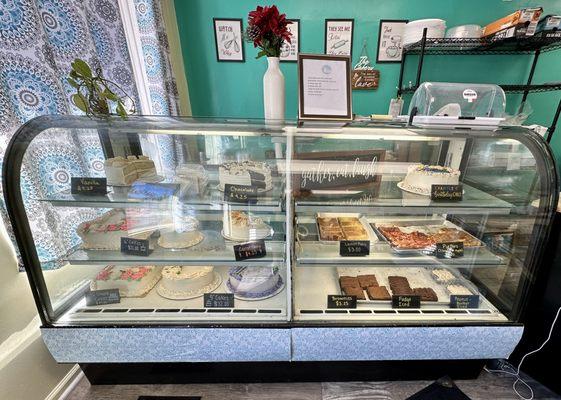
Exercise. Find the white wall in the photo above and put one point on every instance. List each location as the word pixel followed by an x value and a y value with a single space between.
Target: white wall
pixel 27 370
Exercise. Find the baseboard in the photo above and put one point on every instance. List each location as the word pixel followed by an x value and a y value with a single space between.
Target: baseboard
pixel 67 384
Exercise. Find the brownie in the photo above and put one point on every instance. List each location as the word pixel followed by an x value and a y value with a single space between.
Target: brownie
pixel 378 293
pixel 349 281
pixel 365 281
pixel 355 291
pixel 427 294
pixel 400 286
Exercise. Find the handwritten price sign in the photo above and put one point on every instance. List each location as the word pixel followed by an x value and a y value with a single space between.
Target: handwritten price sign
pixel 247 251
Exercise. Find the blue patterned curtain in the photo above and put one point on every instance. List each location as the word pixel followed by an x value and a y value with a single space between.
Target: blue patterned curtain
pixel 38 41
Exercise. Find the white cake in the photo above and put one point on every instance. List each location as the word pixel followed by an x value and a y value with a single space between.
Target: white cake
pixel 420 178
pixel 246 173
pixel 105 231
pixel 237 225
pixel 192 179
pixel 254 283
pixel 124 171
pixel 131 281
pixel 180 283
pixel 184 235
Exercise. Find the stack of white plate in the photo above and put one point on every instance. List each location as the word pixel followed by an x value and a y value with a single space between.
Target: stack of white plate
pixel 464 31
pixel 414 30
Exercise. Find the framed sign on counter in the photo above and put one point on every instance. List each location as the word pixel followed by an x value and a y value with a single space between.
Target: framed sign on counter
pixel 289 51
pixel 390 39
pixel 339 37
pixel 228 38
pixel 324 87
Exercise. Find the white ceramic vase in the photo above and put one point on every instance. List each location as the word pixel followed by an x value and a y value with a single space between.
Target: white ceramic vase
pixel 273 91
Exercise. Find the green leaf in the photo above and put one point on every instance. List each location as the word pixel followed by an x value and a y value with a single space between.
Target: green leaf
pixel 73 83
pixel 82 68
pixel 110 95
pixel 261 54
pixel 80 101
pixel 121 110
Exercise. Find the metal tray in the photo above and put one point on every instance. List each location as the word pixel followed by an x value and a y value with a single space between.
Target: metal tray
pixel 372 237
pixel 415 223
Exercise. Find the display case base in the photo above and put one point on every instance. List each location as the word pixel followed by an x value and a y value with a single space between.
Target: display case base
pixel 254 372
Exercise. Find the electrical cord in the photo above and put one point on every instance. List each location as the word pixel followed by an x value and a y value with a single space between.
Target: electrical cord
pixel 516 372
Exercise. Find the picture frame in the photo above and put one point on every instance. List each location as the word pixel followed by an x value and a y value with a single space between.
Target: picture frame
pixel 324 87
pixel 289 51
pixel 338 38
pixel 390 39
pixel 228 39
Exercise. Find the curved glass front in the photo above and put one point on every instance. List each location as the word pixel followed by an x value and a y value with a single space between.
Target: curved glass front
pixel 159 220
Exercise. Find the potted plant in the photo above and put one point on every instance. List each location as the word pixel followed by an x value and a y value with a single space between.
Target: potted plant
pixel 268 29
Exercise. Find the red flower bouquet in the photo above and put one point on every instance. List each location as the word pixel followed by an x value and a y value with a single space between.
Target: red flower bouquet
pixel 267 29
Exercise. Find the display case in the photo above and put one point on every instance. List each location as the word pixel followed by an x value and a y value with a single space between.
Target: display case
pixel 192 240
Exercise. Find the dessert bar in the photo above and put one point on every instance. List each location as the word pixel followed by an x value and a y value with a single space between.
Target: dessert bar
pixel 366 281
pixel 427 294
pixel 378 293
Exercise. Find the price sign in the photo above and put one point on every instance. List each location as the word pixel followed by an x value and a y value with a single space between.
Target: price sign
pixel 354 248
pixel 250 250
pixel 464 301
pixel 450 249
pixel 447 192
pixel 88 186
pixel 406 301
pixel 219 300
pixel 105 296
pixel 135 247
pixel 240 194
pixel 339 301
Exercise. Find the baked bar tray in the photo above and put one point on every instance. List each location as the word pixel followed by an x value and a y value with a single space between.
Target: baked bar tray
pixel 371 236
pixel 310 252
pixel 424 226
pixel 417 277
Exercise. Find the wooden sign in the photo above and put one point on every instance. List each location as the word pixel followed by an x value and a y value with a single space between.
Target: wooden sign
pixel 340 301
pixel 365 79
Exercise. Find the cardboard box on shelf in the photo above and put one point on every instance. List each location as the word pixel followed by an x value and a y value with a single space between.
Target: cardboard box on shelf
pixel 549 27
pixel 520 23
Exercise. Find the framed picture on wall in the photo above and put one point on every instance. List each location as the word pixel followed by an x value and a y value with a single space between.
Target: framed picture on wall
pixel 289 51
pixel 339 37
pixel 228 38
pixel 324 87
pixel 390 39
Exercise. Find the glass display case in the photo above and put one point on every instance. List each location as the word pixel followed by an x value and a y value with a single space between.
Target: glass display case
pixel 168 239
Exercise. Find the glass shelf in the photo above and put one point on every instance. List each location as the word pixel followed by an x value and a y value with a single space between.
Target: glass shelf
pixel 391 199
pixel 213 199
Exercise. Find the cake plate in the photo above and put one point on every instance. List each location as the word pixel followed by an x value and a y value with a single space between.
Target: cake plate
pixel 191 295
pixel 279 288
pixel 175 240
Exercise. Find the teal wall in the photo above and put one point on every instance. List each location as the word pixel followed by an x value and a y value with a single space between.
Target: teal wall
pixel 235 89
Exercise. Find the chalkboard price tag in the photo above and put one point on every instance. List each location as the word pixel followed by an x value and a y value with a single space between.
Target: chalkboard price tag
pixel 340 301
pixel 219 300
pixel 406 301
pixel 135 247
pixel 247 251
pixel 447 192
pixel 88 186
pixel 240 194
pixel 105 296
pixel 449 249
pixel 354 248
pixel 464 301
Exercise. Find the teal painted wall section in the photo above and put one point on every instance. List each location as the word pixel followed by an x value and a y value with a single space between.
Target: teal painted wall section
pixel 235 89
